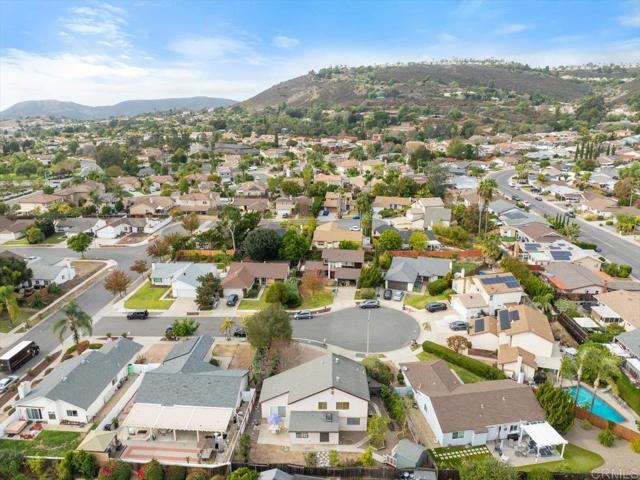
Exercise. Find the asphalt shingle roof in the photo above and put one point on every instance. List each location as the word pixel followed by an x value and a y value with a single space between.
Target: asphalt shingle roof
pixel 404 269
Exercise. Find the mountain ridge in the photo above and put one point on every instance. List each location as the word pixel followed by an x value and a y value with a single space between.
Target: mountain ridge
pixel 127 108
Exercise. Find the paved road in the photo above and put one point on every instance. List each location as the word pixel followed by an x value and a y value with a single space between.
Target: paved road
pixel 613 247
pixel 91 301
pixel 389 329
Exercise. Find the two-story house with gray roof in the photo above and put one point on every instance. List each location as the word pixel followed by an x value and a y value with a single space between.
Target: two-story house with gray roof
pixel 79 387
pixel 317 400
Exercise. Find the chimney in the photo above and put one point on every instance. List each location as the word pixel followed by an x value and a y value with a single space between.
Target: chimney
pixel 23 389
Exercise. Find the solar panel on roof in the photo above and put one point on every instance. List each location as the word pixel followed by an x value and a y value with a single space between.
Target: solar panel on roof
pixel 514 315
pixel 479 325
pixel 503 318
pixel 561 255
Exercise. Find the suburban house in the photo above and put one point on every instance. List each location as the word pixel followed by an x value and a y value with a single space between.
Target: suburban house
pixel 251 189
pixel 151 205
pixel 483 295
pixel 405 272
pixel 338 264
pixel 621 306
pixel 514 219
pixel 117 227
pixel 573 279
pixel 317 400
pixel 73 226
pixel 243 276
pixel 128 183
pixel 37 202
pixel 182 277
pixel 469 414
pixel 189 395
pixel 250 204
pixel 558 251
pixel 430 211
pixel 390 203
pixel 517 363
pixel 337 203
pixel 13 229
pixel 536 232
pixel 328 235
pixel 47 270
pixel 198 202
pixel 76 390
pixel 79 194
pixel 630 342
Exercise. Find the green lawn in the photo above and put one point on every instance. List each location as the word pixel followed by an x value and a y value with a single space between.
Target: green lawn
pixel 22 242
pixel 420 301
pixel 253 303
pixel 147 297
pixel 465 375
pixel 48 443
pixel 469 267
pixel 320 299
pixel 576 460
pixel 452 457
pixel 23 314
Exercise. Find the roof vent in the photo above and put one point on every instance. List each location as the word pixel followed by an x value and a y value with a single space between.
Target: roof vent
pixel 65 378
pixel 337 359
pixel 482 405
pixel 337 379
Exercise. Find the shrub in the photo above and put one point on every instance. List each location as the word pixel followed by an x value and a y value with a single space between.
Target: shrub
pixel 437 287
pixel 151 471
pixel 243 473
pixel 244 444
pixel 606 438
pixel 334 458
pixel 367 293
pixel 586 424
pixel 540 473
pixel 635 445
pixel 84 464
pixel 628 392
pixel 65 467
pixel 115 470
pixel 366 459
pixel 38 466
pixel 11 462
pixel 197 475
pixel 394 404
pixel 377 370
pixel 311 459
pixel 185 327
pixel 474 366
pixel 175 472
pixel 558 407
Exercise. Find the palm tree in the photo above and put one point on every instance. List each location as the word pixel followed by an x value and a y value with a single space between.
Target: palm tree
pixel 543 302
pixel 76 320
pixel 486 192
pixel 226 326
pixel 491 248
pixel 608 370
pixel 9 301
pixel 586 357
pixel 567 369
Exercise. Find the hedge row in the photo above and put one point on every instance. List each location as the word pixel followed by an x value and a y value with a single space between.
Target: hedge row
pixel 474 366
pixel 629 393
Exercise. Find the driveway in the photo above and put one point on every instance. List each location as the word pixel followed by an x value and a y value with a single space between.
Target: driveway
pixel 389 329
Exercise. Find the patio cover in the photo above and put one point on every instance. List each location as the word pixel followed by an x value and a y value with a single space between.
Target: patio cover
pixel 97 441
pixel 544 435
pixel 634 364
pixel 179 417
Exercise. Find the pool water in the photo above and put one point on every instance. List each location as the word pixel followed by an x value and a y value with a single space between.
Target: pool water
pixel 600 407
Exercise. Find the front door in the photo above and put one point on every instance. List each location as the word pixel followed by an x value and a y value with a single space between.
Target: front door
pixel 324 437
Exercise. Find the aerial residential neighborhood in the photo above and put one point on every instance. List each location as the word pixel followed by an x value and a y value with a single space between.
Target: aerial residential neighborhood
pixel 402 267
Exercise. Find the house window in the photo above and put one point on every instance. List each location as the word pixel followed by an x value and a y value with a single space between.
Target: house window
pixel 353 421
pixel 342 405
pixel 72 413
pixel 52 415
pixel 157 280
pixel 322 405
pixel 324 437
pixel 34 414
pixel 513 428
pixel 458 435
pixel 279 411
pixel 302 434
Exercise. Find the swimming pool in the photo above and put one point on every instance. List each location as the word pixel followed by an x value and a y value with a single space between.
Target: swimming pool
pixel 600 407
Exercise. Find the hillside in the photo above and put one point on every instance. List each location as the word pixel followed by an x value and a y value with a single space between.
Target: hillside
pixel 420 84
pixel 130 108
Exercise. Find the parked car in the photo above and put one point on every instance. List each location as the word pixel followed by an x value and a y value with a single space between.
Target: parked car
pixel 303 315
pixel 515 198
pixel 436 307
pixel 356 217
pixel 354 228
pixel 240 333
pixel 388 294
pixel 538 198
pixel 285 215
pixel 232 300
pixel 138 315
pixel 397 295
pixel 458 325
pixel 6 382
pixel 370 304
pixel 571 214
pixel 325 213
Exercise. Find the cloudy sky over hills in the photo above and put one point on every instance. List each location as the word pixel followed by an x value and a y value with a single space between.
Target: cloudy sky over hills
pixel 101 53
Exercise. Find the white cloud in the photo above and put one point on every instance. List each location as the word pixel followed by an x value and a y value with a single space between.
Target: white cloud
pixel 447 37
pixel 282 41
pixel 101 22
pixel 511 28
pixel 223 49
pixel 632 17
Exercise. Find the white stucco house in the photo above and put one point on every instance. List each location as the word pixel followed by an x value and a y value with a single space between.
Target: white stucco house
pixel 182 277
pixel 484 294
pixel 78 388
pixel 317 400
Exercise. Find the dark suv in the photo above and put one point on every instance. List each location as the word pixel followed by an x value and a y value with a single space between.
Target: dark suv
pixel 436 307
pixel 138 315
pixel 239 333
pixel 232 300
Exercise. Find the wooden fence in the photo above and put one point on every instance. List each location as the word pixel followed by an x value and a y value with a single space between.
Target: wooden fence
pixel 324 472
pixel 466 254
pixel 617 429
pixel 570 325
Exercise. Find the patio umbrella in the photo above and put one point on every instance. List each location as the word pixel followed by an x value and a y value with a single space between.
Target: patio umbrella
pixel 273 419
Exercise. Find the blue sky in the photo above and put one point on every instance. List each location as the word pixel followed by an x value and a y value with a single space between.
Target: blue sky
pixel 98 53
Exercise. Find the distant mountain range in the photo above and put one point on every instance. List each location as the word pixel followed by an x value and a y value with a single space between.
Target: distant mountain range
pixel 129 108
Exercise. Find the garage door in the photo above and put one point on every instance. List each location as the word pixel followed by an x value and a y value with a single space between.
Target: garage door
pixel 397 286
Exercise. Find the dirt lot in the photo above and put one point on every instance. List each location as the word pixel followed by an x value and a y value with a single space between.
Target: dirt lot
pixel 157 353
pixel 241 354
pixel 132 238
pixel 86 267
pixel 277 454
pixel 560 332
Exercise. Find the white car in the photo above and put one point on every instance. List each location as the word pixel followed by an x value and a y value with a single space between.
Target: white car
pixel 355 228
pixel 6 381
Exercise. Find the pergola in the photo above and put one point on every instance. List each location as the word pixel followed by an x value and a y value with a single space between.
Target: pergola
pixel 179 417
pixel 544 435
